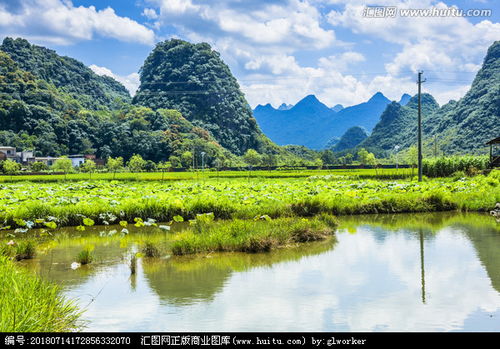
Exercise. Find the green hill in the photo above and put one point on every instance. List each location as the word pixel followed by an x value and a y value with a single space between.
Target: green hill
pixel 193 79
pixel 351 138
pixel 67 74
pixel 458 127
pixel 54 119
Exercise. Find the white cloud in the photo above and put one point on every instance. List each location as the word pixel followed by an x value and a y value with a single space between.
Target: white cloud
pixel 62 23
pixel 150 13
pixel 261 40
pixel 131 81
pixel 438 43
pixel 291 23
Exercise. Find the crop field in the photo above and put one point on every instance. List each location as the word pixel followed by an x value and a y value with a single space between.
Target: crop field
pixel 390 173
pixel 52 205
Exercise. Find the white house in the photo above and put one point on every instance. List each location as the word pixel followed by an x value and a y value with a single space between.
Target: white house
pixel 77 160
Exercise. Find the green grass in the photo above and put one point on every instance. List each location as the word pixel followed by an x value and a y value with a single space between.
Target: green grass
pixel 199 175
pixel 252 236
pixel 29 304
pixel 85 256
pixel 151 250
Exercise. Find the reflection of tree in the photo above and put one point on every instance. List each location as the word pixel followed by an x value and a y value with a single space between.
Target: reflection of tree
pixel 184 280
pixel 486 241
pixel 481 229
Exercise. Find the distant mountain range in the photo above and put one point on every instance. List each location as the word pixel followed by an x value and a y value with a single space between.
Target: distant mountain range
pixel 313 124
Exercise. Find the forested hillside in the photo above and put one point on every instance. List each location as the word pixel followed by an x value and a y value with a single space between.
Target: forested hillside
pixel 398 125
pixel 193 79
pixel 351 138
pixel 458 127
pixel 37 114
pixel 69 75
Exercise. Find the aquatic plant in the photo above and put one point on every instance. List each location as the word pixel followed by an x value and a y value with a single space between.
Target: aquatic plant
pixel 149 249
pixel 86 256
pixel 30 304
pixel 251 235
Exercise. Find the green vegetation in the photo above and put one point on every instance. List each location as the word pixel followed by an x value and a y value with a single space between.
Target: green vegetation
pixel 208 95
pixel 70 203
pixel 149 249
pixel 32 305
pixel 259 235
pixel 447 166
pixel 86 256
pixel 458 127
pixel 351 138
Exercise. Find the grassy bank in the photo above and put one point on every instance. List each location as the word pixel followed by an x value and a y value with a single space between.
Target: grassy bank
pixel 29 304
pixel 252 235
pixel 68 204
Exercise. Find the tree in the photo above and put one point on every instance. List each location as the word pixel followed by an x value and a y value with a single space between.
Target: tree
pixel 115 164
pixel 269 160
pixel 63 164
pixel 136 163
pixel 318 163
pixel 175 161
pixel 365 157
pixel 412 155
pixel 252 158
pixel 187 159
pixel 150 166
pixel 218 163
pixel 39 166
pixel 348 158
pixel 11 167
pixel 328 157
pixel 88 166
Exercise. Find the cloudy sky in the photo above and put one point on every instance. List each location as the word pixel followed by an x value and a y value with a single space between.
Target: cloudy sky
pixel 280 50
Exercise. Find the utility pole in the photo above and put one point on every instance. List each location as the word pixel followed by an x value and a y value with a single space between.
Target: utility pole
pixel 419 82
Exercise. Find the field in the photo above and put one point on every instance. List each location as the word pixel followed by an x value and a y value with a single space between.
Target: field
pixel 209 174
pixel 237 211
pixel 51 205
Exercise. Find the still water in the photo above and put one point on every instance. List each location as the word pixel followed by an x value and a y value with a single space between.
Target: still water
pixel 425 272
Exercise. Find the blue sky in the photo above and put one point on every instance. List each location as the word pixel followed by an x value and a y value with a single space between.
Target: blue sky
pixel 280 50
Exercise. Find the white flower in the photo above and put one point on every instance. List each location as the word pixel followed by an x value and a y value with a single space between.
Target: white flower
pixel 75 265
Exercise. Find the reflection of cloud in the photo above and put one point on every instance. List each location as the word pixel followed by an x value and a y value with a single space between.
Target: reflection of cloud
pixel 364 284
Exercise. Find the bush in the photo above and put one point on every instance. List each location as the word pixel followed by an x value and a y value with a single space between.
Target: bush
pixel 447 166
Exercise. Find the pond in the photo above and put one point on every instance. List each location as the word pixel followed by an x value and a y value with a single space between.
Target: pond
pixel 420 272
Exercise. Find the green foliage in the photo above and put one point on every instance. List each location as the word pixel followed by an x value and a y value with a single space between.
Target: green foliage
pixel 453 165
pixel 63 164
pixel 32 305
pixel 66 203
pixel 136 163
pixel 58 106
pixel 351 138
pixel 252 158
pixel 115 164
pixel 11 167
pixel 88 166
pixel 71 76
pixel 251 235
pixel 366 158
pixel 39 166
pixel 150 250
pixel 86 256
pixel 208 95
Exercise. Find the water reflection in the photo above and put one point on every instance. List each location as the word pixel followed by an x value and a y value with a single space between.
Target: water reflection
pixel 427 272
